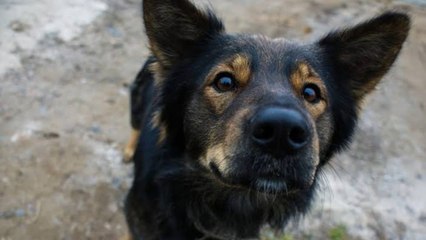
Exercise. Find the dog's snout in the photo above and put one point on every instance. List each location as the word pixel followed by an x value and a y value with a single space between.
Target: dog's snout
pixel 280 130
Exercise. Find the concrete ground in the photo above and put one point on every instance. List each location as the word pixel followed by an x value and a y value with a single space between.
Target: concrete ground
pixel 64 70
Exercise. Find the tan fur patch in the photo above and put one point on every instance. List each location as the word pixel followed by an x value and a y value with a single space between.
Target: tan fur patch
pixel 317 109
pixel 303 75
pixel 162 128
pixel 130 148
pixel 300 76
pixel 218 154
pixel 158 71
pixel 163 59
pixel 239 67
pixel 316 149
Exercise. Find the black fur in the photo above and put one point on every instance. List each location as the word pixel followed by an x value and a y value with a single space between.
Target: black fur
pixel 175 196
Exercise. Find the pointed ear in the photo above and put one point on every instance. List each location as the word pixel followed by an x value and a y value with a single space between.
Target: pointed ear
pixel 174 27
pixel 364 53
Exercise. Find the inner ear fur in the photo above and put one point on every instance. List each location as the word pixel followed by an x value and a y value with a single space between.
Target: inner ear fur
pixel 174 27
pixel 364 53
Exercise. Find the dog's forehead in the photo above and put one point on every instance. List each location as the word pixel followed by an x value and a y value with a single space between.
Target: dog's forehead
pixel 269 54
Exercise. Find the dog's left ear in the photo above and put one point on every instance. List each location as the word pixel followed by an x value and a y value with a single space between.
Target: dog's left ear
pixel 364 53
pixel 176 27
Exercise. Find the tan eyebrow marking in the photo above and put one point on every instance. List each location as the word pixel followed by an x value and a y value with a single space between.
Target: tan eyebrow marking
pixel 300 75
pixel 239 65
pixel 241 69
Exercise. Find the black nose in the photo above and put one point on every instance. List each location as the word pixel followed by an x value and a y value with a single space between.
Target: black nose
pixel 280 130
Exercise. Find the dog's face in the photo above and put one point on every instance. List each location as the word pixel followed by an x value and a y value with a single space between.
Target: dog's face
pixel 260 113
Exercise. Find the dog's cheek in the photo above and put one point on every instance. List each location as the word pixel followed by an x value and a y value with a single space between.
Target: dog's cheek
pixel 324 129
pixel 234 126
pixel 217 102
pixel 198 124
pixel 225 139
pixel 321 136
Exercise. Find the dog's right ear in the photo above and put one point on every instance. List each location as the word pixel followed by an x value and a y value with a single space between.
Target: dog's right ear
pixel 174 27
pixel 364 53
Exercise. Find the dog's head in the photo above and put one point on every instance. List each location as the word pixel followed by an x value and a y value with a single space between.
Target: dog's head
pixel 256 112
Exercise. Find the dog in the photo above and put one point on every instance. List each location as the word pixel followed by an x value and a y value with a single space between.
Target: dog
pixel 230 132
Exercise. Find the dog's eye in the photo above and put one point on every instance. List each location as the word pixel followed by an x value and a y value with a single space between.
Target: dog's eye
pixel 311 93
pixel 225 82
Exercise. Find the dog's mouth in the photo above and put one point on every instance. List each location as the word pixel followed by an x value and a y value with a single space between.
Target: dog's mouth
pixel 272 185
pixel 264 184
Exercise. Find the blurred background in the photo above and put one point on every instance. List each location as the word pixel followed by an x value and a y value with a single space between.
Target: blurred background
pixel 65 67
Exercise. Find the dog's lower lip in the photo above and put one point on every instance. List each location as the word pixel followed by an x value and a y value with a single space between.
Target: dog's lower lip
pixel 274 185
pixel 270 184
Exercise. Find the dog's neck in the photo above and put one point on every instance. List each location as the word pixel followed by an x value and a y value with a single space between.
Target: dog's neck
pixel 222 211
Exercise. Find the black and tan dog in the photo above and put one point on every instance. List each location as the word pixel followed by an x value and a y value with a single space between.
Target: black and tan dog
pixel 235 129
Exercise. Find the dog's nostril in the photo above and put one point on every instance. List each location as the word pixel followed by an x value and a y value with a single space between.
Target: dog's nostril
pixel 298 135
pixel 264 132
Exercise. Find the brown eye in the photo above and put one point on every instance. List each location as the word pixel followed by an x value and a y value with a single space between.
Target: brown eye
pixel 225 82
pixel 311 93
